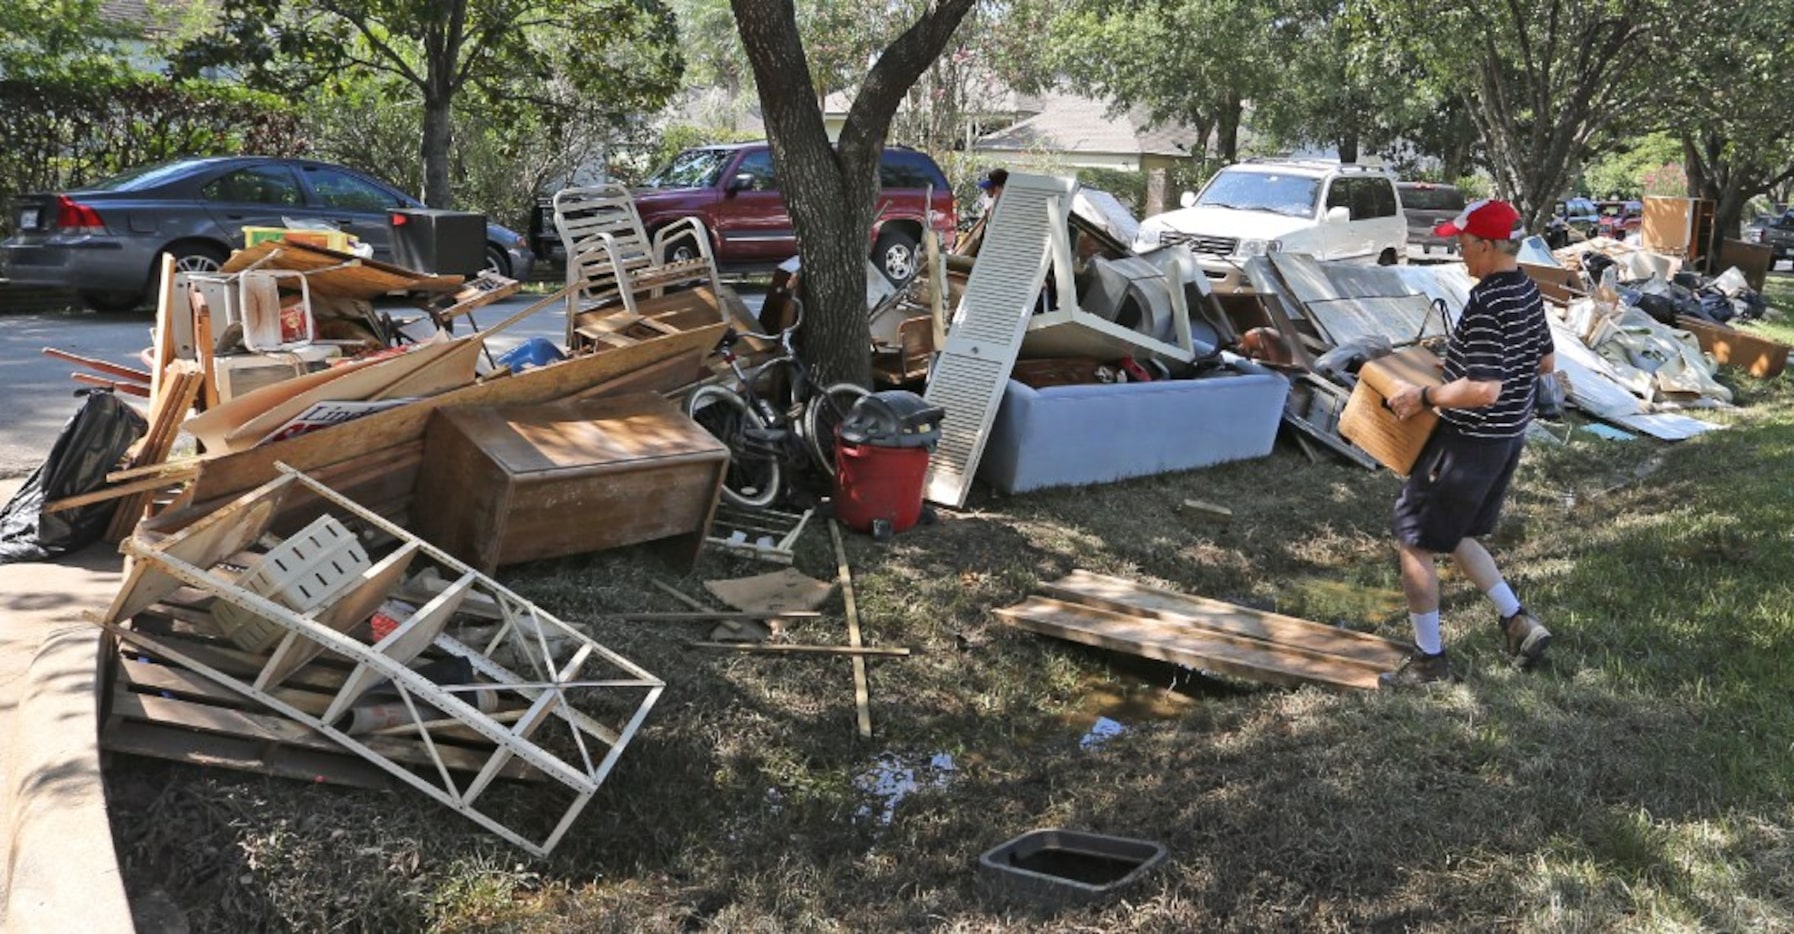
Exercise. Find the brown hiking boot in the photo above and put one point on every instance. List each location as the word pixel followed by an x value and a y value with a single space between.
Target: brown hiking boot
pixel 1419 669
pixel 1526 638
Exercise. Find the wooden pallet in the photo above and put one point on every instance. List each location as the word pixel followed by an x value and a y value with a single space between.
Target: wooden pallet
pixel 156 707
pixel 536 716
pixel 1123 616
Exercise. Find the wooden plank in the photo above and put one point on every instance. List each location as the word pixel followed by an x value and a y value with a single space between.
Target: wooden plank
pixel 319 678
pixel 112 492
pixel 1122 595
pixel 175 471
pixel 271 728
pixel 233 474
pixel 317 766
pixel 130 374
pixel 162 349
pixel 152 678
pixel 861 691
pixel 130 389
pixel 1182 645
pixel 857 652
pixel 181 384
pixel 666 376
pixel 708 616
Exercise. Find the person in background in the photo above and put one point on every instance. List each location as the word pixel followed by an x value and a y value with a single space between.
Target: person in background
pixel 1493 358
pixel 992 186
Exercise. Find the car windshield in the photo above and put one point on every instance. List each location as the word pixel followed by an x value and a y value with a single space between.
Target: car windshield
pixel 1433 198
pixel 148 176
pixel 693 168
pixel 1293 195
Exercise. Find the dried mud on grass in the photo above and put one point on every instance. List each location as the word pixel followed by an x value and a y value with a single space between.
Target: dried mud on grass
pixel 1612 790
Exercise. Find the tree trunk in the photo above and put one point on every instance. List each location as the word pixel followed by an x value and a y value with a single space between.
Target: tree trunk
pixel 442 55
pixel 829 190
pixel 1227 128
pixel 438 137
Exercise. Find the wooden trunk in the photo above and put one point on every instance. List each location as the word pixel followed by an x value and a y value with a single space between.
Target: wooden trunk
pixel 507 484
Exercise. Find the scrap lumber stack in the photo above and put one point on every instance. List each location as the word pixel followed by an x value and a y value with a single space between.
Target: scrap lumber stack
pixel 1123 616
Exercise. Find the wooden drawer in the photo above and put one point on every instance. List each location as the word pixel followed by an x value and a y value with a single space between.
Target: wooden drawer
pixel 517 483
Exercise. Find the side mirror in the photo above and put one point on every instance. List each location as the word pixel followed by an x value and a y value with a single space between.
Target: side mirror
pixel 1187 199
pixel 1337 215
pixel 741 182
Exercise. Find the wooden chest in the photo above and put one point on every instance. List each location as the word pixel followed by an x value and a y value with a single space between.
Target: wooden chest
pixel 507 484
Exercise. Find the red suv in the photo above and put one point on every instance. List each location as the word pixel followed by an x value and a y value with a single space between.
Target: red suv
pixel 734 190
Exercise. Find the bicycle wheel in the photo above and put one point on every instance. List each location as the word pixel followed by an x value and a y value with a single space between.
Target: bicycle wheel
pixel 753 475
pixel 823 414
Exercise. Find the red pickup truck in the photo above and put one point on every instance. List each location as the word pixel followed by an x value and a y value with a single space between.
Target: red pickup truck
pixel 734 190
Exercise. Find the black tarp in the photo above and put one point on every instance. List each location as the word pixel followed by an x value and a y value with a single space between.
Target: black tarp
pixel 88 448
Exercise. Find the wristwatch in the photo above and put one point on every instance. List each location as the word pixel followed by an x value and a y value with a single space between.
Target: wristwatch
pixel 1425 403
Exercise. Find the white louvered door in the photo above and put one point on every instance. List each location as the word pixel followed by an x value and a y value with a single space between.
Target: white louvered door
pixel 987 328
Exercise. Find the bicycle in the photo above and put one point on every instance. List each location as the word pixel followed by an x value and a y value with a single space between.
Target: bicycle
pixel 768 443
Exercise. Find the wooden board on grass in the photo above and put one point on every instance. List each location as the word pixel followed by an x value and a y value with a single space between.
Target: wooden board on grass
pixel 1121 615
pixel 1122 595
pixel 1183 645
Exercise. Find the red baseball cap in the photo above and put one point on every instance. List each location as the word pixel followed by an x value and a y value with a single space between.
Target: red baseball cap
pixel 1486 219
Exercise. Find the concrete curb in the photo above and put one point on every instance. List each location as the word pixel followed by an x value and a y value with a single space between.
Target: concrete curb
pixel 58 870
pixel 61 870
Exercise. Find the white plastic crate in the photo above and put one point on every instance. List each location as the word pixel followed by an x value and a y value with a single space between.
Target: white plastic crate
pixel 302 573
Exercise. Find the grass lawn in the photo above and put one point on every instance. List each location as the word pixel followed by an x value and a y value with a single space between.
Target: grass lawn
pixel 1640 780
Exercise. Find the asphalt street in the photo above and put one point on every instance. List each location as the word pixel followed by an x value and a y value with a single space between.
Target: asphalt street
pixel 39 397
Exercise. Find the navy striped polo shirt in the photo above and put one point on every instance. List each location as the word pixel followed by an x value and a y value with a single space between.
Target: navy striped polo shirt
pixel 1502 335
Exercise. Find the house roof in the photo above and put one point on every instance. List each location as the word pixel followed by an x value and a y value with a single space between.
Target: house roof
pixel 1070 123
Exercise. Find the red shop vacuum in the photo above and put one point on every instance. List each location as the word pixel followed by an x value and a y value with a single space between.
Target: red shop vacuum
pixel 881 461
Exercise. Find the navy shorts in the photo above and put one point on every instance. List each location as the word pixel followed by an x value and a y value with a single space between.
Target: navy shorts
pixel 1456 490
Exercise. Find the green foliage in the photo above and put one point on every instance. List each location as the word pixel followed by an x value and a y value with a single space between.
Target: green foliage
pixel 522 71
pixel 1621 173
pixel 70 129
pixel 45 39
pixel 1128 187
pixel 677 138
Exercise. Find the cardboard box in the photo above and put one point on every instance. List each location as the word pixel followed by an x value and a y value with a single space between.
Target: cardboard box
pixel 1368 422
pixel 328 239
pixel 1758 356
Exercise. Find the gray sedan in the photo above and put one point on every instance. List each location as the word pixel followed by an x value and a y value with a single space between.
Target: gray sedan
pixel 105 240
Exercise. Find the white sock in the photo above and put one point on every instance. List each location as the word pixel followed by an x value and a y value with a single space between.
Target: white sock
pixel 1426 632
pixel 1503 597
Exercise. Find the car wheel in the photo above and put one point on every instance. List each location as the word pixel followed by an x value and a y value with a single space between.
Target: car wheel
pixel 195 257
pixel 111 301
pixel 497 262
pixel 895 256
pixel 1388 257
pixel 682 250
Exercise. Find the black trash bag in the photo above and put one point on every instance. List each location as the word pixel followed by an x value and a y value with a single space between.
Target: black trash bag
pixel 88 448
pixel 1661 308
pixel 1749 305
pixel 1594 264
pixel 1716 307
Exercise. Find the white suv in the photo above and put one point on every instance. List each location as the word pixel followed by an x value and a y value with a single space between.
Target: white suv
pixel 1325 209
